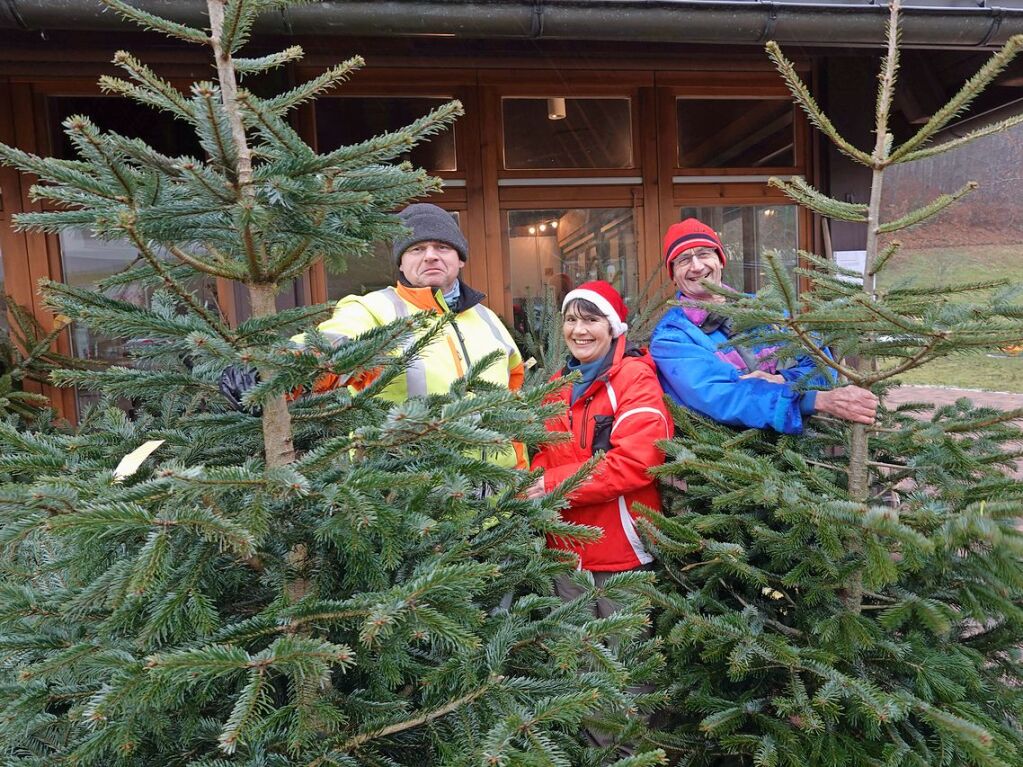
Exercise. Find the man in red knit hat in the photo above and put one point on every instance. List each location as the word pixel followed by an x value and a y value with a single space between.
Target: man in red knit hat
pixel 738 385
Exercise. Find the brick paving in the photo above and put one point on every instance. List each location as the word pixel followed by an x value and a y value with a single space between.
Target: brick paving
pixel 942 395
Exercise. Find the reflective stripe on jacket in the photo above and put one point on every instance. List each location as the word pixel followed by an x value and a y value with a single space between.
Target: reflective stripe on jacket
pixel 474 333
pixel 693 375
pixel 625 407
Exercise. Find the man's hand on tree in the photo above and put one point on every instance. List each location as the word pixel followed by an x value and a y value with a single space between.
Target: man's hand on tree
pixel 850 403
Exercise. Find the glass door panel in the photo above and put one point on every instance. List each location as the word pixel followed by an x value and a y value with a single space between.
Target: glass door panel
pixel 747 232
pixel 87 260
pixel 558 249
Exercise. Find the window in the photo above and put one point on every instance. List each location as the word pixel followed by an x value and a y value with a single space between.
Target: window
pixel 158 129
pixel 558 249
pixel 747 232
pixel 364 274
pixel 86 261
pixel 567 133
pixel 735 133
pixel 344 120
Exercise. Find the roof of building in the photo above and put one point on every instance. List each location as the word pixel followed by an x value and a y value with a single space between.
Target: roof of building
pixel 925 23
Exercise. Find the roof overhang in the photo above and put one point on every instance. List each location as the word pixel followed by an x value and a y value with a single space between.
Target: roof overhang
pixel 925 23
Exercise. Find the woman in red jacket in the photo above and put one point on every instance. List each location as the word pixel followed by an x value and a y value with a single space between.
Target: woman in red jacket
pixel 616 408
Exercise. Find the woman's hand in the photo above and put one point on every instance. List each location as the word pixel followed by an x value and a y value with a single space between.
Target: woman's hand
pixel 765 376
pixel 536 490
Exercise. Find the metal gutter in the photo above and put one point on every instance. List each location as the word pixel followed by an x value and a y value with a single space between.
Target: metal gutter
pixel 927 23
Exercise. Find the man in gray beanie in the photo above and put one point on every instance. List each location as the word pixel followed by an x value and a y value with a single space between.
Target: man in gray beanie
pixel 428 222
pixel 430 258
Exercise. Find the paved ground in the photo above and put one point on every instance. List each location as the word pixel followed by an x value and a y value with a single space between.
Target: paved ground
pixel 940 395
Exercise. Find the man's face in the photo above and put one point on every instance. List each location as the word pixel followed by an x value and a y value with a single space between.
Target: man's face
pixel 691 267
pixel 431 264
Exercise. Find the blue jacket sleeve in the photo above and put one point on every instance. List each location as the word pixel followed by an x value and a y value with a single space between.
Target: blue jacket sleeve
pixel 694 376
pixel 806 372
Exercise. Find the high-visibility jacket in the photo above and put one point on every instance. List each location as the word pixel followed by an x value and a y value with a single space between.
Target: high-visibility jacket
pixel 474 333
pixel 622 413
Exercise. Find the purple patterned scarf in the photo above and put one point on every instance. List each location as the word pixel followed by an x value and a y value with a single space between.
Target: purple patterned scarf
pixel 765 355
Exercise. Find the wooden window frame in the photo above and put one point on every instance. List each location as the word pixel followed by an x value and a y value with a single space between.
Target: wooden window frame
pixel 46 89
pixel 718 189
pixel 641 196
pixel 632 196
pixel 42 92
pixel 391 82
pixel 29 256
pixel 751 194
pixel 726 86
pixel 465 197
pixel 500 84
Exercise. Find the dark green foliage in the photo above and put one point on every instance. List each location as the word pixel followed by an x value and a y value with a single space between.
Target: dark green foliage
pixel 27 355
pixel 167 618
pixel 380 595
pixel 769 664
pixel 851 597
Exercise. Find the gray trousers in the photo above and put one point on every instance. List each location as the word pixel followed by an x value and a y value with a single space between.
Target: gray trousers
pixel 567 590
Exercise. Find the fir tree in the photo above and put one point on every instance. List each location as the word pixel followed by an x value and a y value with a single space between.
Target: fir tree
pixel 27 357
pixel 327 583
pixel 853 596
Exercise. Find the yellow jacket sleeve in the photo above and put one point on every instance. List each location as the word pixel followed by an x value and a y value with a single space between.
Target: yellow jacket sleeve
pixel 351 318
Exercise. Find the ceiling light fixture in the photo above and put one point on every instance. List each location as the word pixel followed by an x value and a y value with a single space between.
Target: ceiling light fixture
pixel 556 109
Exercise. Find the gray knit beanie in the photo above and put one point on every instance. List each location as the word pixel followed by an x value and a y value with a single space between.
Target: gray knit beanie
pixel 428 222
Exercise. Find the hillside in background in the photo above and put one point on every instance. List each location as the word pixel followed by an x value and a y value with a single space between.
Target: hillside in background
pixel 992 215
pixel 981 236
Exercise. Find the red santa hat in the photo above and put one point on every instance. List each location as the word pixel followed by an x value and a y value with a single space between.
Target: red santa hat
pixel 602 295
pixel 689 234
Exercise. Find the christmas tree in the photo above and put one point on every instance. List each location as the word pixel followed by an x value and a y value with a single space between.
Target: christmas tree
pixel 26 360
pixel 322 579
pixel 853 596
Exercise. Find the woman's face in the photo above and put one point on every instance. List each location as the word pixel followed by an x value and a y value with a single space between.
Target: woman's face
pixel 588 337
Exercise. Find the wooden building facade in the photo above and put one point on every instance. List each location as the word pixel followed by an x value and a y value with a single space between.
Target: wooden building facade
pixel 572 159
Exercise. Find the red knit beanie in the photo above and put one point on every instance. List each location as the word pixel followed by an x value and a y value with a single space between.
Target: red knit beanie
pixel 602 295
pixel 689 234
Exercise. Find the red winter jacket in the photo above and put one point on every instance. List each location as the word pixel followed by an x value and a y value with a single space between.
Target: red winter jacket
pixel 624 410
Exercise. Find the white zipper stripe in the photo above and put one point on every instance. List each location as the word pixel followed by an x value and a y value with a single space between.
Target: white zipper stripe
pixel 611 396
pixel 629 528
pixel 415 377
pixel 636 410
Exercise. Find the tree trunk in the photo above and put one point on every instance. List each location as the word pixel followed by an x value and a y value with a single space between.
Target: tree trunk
pixel 277 434
pixel 278 445
pixel 859 448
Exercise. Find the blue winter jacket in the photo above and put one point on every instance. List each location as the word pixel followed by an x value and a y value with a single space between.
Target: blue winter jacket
pixel 694 376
